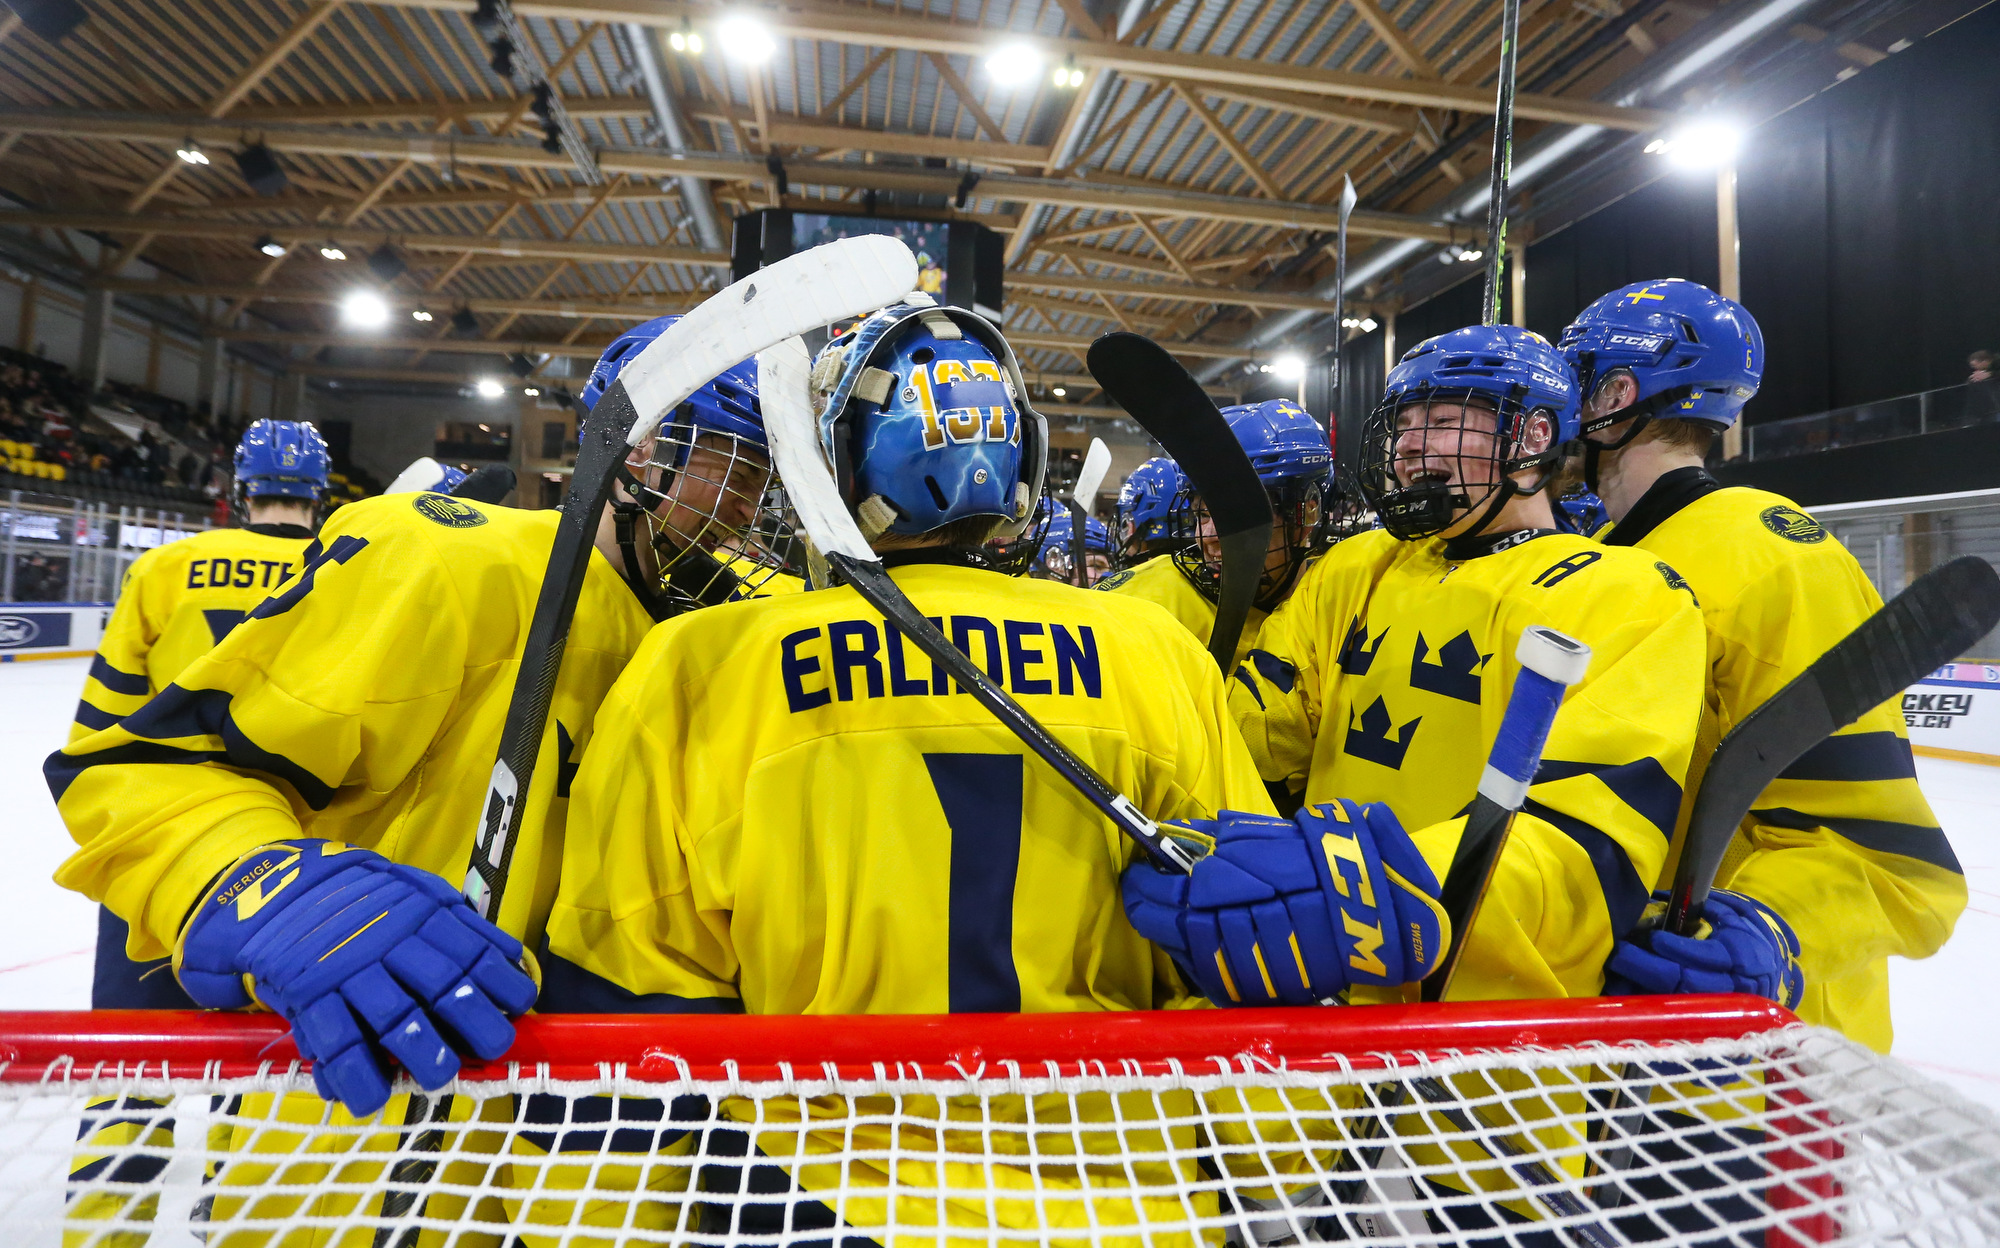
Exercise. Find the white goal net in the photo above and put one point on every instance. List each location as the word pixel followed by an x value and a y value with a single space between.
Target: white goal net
pixel 1695 1120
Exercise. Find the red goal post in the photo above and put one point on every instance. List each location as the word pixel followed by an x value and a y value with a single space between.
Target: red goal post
pixel 1694 1120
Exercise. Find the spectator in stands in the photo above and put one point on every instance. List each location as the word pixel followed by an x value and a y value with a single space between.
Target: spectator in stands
pixel 1982 388
pixel 1981 363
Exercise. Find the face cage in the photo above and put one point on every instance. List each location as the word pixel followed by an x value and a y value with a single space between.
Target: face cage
pixel 1424 509
pixel 716 518
pixel 1023 553
pixel 1299 509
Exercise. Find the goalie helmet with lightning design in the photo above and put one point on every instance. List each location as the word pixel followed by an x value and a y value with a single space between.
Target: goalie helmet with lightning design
pixel 1145 505
pixel 282 459
pixel 703 485
pixel 1691 354
pixel 1294 460
pixel 1460 416
pixel 923 415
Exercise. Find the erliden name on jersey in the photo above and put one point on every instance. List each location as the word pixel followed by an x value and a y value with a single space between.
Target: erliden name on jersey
pixel 872 659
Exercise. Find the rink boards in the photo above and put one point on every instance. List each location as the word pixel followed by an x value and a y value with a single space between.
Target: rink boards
pixel 50 630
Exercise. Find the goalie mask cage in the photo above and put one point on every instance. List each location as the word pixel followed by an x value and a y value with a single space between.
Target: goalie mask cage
pixel 1689 1120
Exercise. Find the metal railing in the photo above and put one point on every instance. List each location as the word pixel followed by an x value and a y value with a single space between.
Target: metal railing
pixel 55 549
pixel 1952 407
pixel 1897 540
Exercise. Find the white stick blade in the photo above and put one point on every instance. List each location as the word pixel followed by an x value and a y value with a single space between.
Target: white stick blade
pixel 784 375
pixel 1347 196
pixel 832 282
pixel 1096 462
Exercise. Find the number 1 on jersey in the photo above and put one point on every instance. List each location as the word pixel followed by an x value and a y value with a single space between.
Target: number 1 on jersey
pixel 981 797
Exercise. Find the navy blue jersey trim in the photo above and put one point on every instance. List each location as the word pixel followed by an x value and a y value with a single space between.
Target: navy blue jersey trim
pixel 1859 756
pixel 179 712
pixel 94 718
pixel 132 686
pixel 571 989
pixel 1643 785
pixel 1907 839
pixel 1625 897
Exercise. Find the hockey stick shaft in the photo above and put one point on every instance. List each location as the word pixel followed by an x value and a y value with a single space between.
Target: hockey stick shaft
pixel 1929 624
pixel 1142 377
pixel 1503 157
pixel 1347 200
pixel 1550 664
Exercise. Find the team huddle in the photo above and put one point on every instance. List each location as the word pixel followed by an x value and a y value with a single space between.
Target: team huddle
pixel 757 796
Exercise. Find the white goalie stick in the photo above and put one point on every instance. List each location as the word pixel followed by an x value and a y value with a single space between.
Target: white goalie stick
pixel 782 375
pixel 1096 462
pixel 831 282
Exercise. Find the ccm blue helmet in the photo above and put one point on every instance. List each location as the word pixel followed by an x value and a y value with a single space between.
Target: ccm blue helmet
pixel 1694 354
pixel 703 488
pixel 924 415
pixel 282 459
pixel 1418 469
pixel 1294 459
pixel 1056 559
pixel 1145 505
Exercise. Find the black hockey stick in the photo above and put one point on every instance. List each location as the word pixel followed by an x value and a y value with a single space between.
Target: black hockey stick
pixel 1503 157
pixel 1142 377
pixel 1347 199
pixel 789 422
pixel 1926 626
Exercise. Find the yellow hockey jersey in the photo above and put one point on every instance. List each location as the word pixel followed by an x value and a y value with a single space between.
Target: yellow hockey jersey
pixel 1159 580
pixel 362 702
pixel 1384 676
pixel 1843 844
pixel 786 809
pixel 177 603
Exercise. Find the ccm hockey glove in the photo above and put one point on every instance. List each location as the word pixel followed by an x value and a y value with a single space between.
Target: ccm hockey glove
pixel 1743 946
pixel 1293 912
pixel 363 957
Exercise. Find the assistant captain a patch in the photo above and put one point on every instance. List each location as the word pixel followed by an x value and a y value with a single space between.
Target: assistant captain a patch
pixel 1793 525
pixel 450 512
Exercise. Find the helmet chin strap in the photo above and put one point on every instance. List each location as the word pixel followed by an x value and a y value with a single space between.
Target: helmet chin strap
pixel 625 516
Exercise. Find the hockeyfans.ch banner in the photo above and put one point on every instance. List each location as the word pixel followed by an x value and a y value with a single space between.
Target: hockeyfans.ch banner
pixel 1956 708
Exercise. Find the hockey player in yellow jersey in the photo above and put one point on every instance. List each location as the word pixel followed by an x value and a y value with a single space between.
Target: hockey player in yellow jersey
pixel 786 809
pixel 177 602
pixel 1384 676
pixel 1843 845
pixel 353 719
pixel 1294 460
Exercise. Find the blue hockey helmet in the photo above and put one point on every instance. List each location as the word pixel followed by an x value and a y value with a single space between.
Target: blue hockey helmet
pixel 727 404
pixel 1513 371
pixel 282 459
pixel 1294 460
pixel 1694 354
pixel 1053 557
pixel 1146 499
pixel 923 414
pixel 1283 441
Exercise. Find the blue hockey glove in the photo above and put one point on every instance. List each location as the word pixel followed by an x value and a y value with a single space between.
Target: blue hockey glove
pixel 360 955
pixel 1292 912
pixel 1743 946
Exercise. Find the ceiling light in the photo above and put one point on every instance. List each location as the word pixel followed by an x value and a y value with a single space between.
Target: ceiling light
pixel 190 153
pixel 1706 143
pixel 270 246
pixel 1470 254
pixel 331 251
pixel 421 314
pixel 364 309
pixel 532 393
pixel 1059 392
pixel 1068 75
pixel 1288 367
pixel 685 39
pixel 744 38
pixel 489 388
pixel 1368 324
pixel 486 428
pixel 1013 63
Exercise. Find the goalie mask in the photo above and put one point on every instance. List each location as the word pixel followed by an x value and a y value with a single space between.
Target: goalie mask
pixel 923 415
pixel 702 486
pixel 1461 415
pixel 1294 460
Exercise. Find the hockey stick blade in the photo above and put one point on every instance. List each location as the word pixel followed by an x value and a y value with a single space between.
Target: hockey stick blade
pixel 1142 377
pixel 788 421
pixel 1921 629
pixel 828 283
pixel 1550 664
pixel 1096 462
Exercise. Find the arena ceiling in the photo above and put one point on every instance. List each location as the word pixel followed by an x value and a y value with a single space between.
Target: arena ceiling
pixel 1181 180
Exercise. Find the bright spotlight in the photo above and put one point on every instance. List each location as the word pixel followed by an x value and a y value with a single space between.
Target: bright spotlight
pixel 488 388
pixel 1705 144
pixel 331 251
pixel 1059 392
pixel 1471 254
pixel 685 40
pixel 364 309
pixel 1368 324
pixel 1288 367
pixel 190 153
pixel 421 314
pixel 270 246
pixel 1014 63
pixel 532 393
pixel 746 39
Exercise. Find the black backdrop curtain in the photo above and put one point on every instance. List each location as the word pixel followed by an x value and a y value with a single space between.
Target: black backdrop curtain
pixel 1870 237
